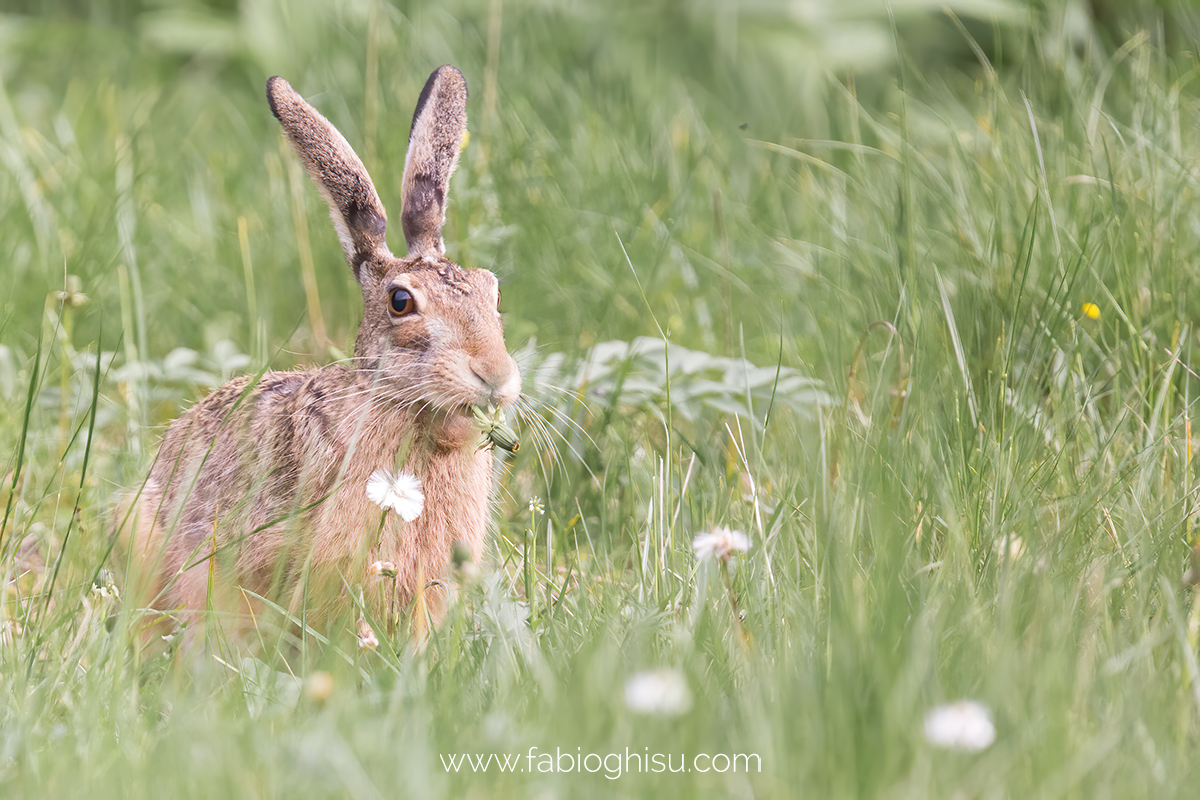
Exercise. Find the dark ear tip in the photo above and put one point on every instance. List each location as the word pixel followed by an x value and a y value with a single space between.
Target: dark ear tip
pixel 456 76
pixel 275 85
pixel 450 69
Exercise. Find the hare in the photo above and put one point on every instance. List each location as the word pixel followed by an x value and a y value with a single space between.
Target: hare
pixel 262 485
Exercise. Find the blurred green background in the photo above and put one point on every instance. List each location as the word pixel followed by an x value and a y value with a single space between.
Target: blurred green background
pixel 139 136
pixel 635 123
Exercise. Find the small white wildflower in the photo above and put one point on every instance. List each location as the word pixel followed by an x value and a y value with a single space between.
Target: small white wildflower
pixel 401 493
pixel 535 506
pixel 382 569
pixel 749 489
pixel 469 572
pixel 106 593
pixel 965 725
pixel 660 691
pixel 464 565
pixel 1012 547
pixel 10 631
pixel 720 542
pixel 367 640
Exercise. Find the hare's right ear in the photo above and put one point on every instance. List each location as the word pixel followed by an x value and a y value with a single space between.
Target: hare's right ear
pixel 438 126
pixel 354 206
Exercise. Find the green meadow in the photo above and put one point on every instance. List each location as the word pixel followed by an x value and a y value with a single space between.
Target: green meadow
pixel 903 292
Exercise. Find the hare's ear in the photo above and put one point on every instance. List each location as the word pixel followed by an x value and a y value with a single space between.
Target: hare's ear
pixel 439 124
pixel 354 206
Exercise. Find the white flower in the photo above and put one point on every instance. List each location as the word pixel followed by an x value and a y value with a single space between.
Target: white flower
pixel 659 691
pixel 110 592
pixel 382 569
pixel 720 542
pixel 367 640
pixel 401 493
pixel 965 725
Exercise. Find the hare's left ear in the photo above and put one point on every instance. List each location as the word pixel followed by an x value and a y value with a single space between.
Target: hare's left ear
pixel 439 124
pixel 354 206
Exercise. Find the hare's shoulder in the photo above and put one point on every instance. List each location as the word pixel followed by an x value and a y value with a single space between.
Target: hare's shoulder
pixel 278 388
pixel 314 393
pixel 256 399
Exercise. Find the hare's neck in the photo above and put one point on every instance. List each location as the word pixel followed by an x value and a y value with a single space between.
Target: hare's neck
pixel 376 425
pixel 350 532
pixel 439 449
pixel 457 488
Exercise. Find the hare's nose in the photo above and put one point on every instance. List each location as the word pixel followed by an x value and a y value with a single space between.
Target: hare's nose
pixel 500 379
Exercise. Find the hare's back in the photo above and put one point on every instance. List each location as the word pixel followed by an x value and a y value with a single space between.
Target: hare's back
pixel 253 424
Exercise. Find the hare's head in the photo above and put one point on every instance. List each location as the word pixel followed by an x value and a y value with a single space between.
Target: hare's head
pixel 431 332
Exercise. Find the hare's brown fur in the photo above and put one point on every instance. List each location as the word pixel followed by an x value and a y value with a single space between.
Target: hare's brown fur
pixel 262 485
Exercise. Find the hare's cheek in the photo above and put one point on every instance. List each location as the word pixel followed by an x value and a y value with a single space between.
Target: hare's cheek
pixel 412 337
pixel 417 346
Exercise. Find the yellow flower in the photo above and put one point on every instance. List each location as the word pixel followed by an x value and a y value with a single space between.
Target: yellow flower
pixel 319 686
pixel 1091 311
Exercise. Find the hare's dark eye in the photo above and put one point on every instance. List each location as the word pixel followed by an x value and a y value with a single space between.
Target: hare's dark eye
pixel 402 303
pixel 499 298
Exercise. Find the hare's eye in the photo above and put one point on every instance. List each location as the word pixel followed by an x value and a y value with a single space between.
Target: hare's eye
pixel 402 303
pixel 499 298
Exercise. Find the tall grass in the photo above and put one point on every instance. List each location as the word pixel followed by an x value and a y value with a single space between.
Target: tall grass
pixel 965 463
